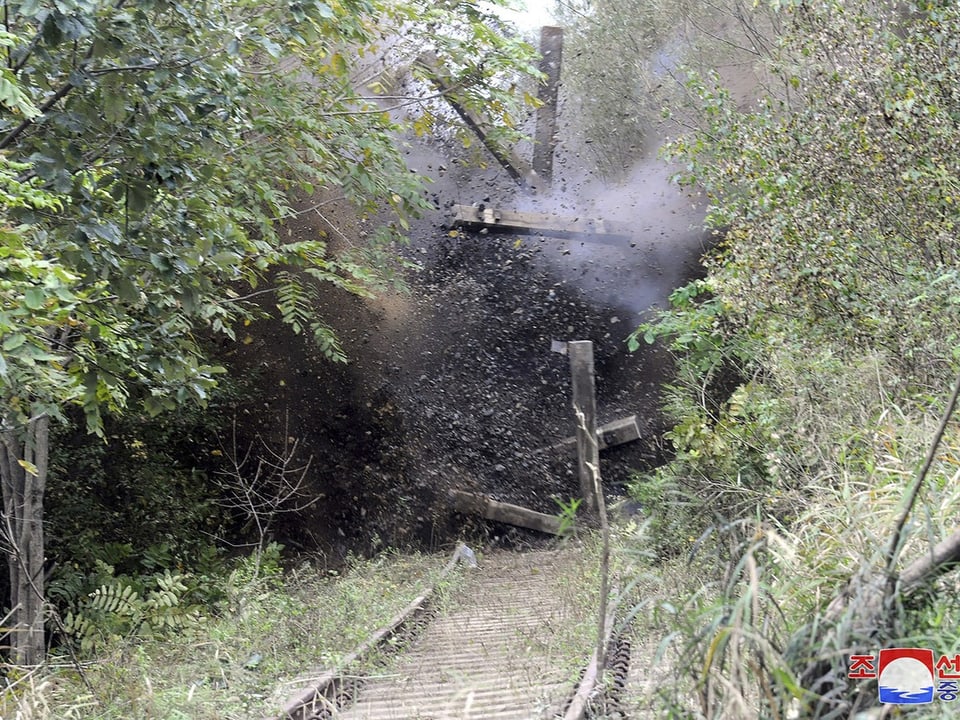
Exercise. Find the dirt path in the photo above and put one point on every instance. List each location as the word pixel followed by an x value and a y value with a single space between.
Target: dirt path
pixel 504 651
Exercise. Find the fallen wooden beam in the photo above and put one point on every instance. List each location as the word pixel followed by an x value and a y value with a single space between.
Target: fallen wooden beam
pixel 480 217
pixel 518 169
pixel 619 432
pixel 616 432
pixel 489 509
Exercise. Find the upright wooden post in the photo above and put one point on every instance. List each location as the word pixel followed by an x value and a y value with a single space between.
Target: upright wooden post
pixel 588 460
pixel 585 417
pixel 545 135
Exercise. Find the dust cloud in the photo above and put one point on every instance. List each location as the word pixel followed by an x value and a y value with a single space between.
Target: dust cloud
pixel 663 253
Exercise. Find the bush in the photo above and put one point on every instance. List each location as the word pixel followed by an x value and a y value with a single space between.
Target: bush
pixel 814 358
pixel 141 499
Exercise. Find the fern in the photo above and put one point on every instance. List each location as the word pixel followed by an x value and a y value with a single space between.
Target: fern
pixel 117 610
pixel 298 302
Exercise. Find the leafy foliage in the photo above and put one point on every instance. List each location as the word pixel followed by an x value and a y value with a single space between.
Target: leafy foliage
pixel 266 620
pixel 816 269
pixel 121 607
pixel 148 156
pixel 484 67
pixel 839 194
pixel 726 422
pixel 171 136
pixel 147 486
pixel 813 359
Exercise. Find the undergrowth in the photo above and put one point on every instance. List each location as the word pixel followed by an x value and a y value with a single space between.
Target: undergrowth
pixel 810 480
pixel 241 657
pixel 782 501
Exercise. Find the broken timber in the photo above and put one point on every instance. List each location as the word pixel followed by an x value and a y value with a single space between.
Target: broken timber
pixel 511 162
pixel 617 432
pixel 473 504
pixel 545 137
pixel 490 219
pixel 583 385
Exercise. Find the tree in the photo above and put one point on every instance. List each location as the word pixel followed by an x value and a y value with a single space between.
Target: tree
pixel 610 71
pixel 623 68
pixel 839 193
pixel 149 149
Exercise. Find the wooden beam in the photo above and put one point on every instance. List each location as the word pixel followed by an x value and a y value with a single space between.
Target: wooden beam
pixel 517 168
pixel 619 432
pixel 545 135
pixel 616 432
pixel 474 504
pixel 481 217
pixel 585 417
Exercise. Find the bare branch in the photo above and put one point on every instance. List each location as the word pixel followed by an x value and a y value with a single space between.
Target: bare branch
pixel 266 480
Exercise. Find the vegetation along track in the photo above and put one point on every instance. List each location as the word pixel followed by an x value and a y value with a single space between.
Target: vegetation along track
pixel 508 644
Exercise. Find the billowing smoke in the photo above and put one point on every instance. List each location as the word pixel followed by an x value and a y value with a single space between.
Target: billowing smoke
pixel 664 250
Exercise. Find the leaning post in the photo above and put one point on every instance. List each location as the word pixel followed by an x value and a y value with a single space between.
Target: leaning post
pixel 588 461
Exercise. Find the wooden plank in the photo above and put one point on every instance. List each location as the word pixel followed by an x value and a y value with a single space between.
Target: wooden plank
pixel 474 504
pixel 585 417
pixel 545 135
pixel 619 432
pixel 481 217
pixel 616 432
pixel 517 168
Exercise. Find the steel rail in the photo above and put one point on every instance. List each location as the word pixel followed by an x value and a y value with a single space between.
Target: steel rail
pixel 320 698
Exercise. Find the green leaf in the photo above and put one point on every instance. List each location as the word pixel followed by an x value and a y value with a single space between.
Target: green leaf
pixel 226 259
pixel 126 289
pixel 164 175
pixel 12 342
pixel 34 298
pixel 14 99
pixel 339 64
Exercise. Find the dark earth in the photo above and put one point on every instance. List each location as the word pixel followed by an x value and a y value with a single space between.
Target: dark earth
pixel 453 384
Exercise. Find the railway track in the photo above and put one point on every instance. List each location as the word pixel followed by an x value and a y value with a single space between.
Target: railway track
pixel 508 646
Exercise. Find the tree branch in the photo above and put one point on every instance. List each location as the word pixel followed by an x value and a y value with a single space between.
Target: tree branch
pixel 893 552
pixel 943 557
pixel 51 101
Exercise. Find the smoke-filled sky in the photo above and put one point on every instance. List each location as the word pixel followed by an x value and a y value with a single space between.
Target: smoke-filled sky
pixel 530 14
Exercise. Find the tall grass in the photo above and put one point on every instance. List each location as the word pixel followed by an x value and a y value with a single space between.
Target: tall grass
pixel 773 603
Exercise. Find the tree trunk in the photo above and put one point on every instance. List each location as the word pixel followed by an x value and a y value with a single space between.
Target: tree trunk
pixel 23 471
